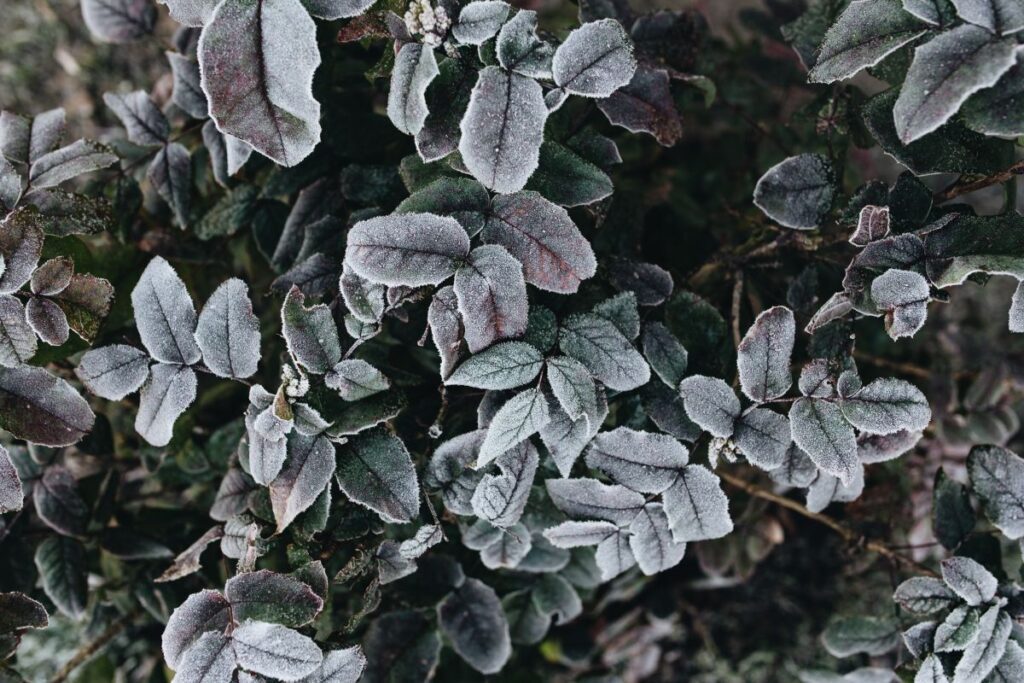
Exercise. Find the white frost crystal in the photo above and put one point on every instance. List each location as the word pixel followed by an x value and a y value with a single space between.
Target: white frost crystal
pixel 430 22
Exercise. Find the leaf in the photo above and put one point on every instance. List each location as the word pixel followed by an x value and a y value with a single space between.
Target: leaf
pixel 61 564
pixel 169 391
pixel 997 478
pixel 24 141
pixel 646 105
pixel 119 21
pixel 18 611
pixel 415 68
pixel 274 650
pixel 521 417
pixel 479 21
pixel 339 666
pixel 188 92
pixel 41 408
pixel 958 629
pixel 764 437
pixel 410 249
pixel 311 333
pixel 873 223
pixel 996 111
pixel 210 658
pixel 924 595
pixel 188 561
pixel 58 503
pixel 953 517
pixel 164 315
pixel 12 498
pixel 696 507
pixel 363 299
pixel 873 448
pixel 826 489
pixel 491 297
pixel 191 12
pixel 595 60
pixel 71 161
pixel 145 123
pixel 903 296
pixel 574 534
pixel 337 9
pixel 257 61
pixel 519 49
pixel 501 499
pixel 763 357
pixel 502 130
pixel 356 379
pixel 21 244
pixel 85 302
pixel 1011 666
pixel 998 16
pixel 711 403
pixel 797 470
pixel 798 192
pixel 445 328
pixel 268 596
pixel 665 354
pixel 652 542
pixel 112 372
pixel 541 236
pixel 10 186
pixel 566 438
pixel 426 537
pixel 375 470
pixel 621 311
pixel 614 556
pixel 567 179
pixel 17 337
pixel 47 320
pixel 945 72
pixel 228 332
pixel 970 580
pixel 847 636
pixel 969 244
pixel 506 365
pixel 401 646
pixel 471 616
pixel 865 34
pixel 447 100
pixel 307 472
pixel 821 431
pixel 590 499
pixel 886 406
pixel 602 348
pixel 202 612
pixel 573 386
pixel 644 461
pixel 983 653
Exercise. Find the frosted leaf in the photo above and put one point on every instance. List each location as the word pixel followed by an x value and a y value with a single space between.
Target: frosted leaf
pixel 188 560
pixel 145 123
pixel 555 597
pixel 228 333
pixel 543 557
pixel 62 568
pixel 17 338
pixel 957 630
pixel 21 244
pixel 12 497
pixel 401 643
pixel 480 535
pixel 998 16
pixel 886 406
pixel 501 499
pixel 307 420
pixel 817 380
pixel 604 350
pixel 164 315
pixel 574 534
pixel 53 276
pixel 191 12
pixel 763 356
pixel 375 470
pixel 201 613
pixel 58 503
pixel 1017 309
pixel 931 671
pixel 764 437
pixel 188 92
pixel 924 595
pixel 935 12
pixel 447 99
pixel 864 34
pixel 411 249
pixel 614 556
pixel 445 327
pixel 652 543
pixel 426 537
pixel 711 403
pixel 10 186
pixel 232 495
pixel 170 173
pixel 520 50
pixel 837 306
pixel 337 9
pixel 947 70
pixel 796 470
pixel 119 21
pixel 1011 667
pixel 798 192
pixel 997 111
pixel 821 431
pixel 540 235
pixel 169 391
pixel 306 473
pixel 518 419
pixel 479 21
pixel 41 408
pixel 983 653
pixel 621 311
pixel 275 650
pixel 903 296
pixel 491 295
pixel 339 666
pixel 872 224
pixel 847 636
pixel 590 499
pixel 595 60
pixel 464 199
pixel 238 533
pixel 70 161
pixel 566 438
pixel 502 129
pixel 449 471
pixel 311 333
pixel 363 299
pixel 265 456
pixel 665 353
pixel 872 448
pixel 269 596
pixel 826 489
pixel 211 659
pixel 509 548
pixel 697 508
pixel 997 478
pixel 573 386
pixel 415 67
pixel 969 580
pixel 471 617
pixel 24 141
pixel 644 461
pixel 506 365
pixel 354 379
pixel 257 63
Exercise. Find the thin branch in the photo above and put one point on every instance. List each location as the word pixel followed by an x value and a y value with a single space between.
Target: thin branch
pixel 737 300
pixel 86 652
pixel 960 187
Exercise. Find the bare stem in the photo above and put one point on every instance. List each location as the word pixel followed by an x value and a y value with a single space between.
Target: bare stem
pixel 960 187
pixel 84 653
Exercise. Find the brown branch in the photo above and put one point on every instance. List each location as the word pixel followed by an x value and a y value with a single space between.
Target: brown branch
pixel 960 187
pixel 84 653
pixel 737 300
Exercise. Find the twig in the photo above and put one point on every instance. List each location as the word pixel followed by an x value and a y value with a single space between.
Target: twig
pixel 960 187
pixel 84 653
pixel 737 300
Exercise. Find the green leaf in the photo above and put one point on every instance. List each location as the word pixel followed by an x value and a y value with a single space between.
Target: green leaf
pixel 969 244
pixel 952 515
pixel 268 596
pixel 376 471
pixel 847 636
pixel 568 179
pixel 62 565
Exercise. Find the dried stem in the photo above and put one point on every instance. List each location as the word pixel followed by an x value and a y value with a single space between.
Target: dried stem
pixel 960 187
pixel 84 653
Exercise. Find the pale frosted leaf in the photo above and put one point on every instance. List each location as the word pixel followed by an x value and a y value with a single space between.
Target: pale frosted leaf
pixel 621 311
pixel 1017 309
pixel 17 336
pixel 797 193
pixel 376 471
pixel 614 556
pixel 864 34
pixel 354 379
pixel 543 557
pixel 872 448
pixel 308 420
pixel 590 499
pixel 10 186
pixel 847 636
pixel 872 224
pixel 935 12
pixel 449 471
pixel 70 161
pixel 502 129
pixel 169 391
pixel 1011 667
pixel 573 386
pixel 886 406
pixel 363 299
pixel 970 580
pixel 522 416
pixel 665 353
pixel 12 497
pixel 232 495
pixel 265 456
pixel 697 508
pixel 471 616
pixel 999 110
pixel 211 659
pixel 566 438
pixel 822 432
pixel 188 561
pixel 306 473
pixel 711 403
pixel 58 502
pixel 53 276
pixel 191 12
pixel 652 542
pixel 337 9
pixel 479 21
pixel 201 612
pixel 643 461
pixel 924 595
pixel 764 437
pixel 573 534
pixel 947 70
pixel 509 550
pixel 997 478
pixel 164 315
pixel 491 294
pixel 983 653
pixel 826 489
pixel 763 356
pixel 998 16
pixel 21 244
pixel 188 91
pixel 796 470
pixel 595 60
pixel 540 235
pixel 339 666
pixel 445 328
pixel 275 650
pixel 426 537
pixel 62 567
pixel 257 63
pixel 501 499
pixel 238 531
pixel 957 630
pixel 520 50
pixel 411 249
pixel 269 596
pixel 931 671
pixel 817 379
pixel 25 141
pixel 145 123
pixel 903 296
pixel 918 638
pixel 604 350
pixel 228 332
pixel 506 365
pixel 41 408
pixel 119 21
pixel 415 67
pixel 311 333
pixel 170 173
pixel 447 99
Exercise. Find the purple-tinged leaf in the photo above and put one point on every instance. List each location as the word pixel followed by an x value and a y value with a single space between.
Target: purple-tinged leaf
pixel 188 91
pixel 415 68
pixel 645 105
pixel 112 372
pixel 501 499
pixel 58 504
pixel 18 611
pixel 188 561
pixel 337 9
pixel 53 276
pixel 872 224
pixel 491 294
pixel 471 616
pixel 169 391
pixel 21 244
pixel 41 408
pixel 595 60
pixel 797 192
pixel 410 249
pixel 696 507
pixel 85 302
pixel 145 123
pixel 228 332
pixel 17 336
pixel 119 21
pixel 201 613
pixel 70 161
pixel 306 473
pixel 47 320
pixel 170 173
pixel 276 651
pixel 376 471
pixel 164 315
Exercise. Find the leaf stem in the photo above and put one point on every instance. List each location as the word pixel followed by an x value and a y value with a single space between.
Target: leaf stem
pixel 84 653
pixel 960 187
